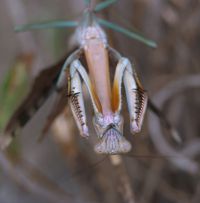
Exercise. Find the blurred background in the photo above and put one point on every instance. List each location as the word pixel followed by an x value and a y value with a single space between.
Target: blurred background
pixel 64 167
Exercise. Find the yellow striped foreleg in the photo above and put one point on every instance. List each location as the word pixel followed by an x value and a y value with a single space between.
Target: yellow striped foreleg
pixel 135 95
pixel 136 98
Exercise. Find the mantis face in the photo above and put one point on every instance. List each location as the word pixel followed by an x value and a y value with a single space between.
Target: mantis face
pixel 109 129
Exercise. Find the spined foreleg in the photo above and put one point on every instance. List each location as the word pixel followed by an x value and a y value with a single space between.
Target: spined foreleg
pixel 136 99
pixel 76 101
pixel 136 96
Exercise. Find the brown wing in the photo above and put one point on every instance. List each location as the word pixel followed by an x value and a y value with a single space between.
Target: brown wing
pixel 59 105
pixel 42 87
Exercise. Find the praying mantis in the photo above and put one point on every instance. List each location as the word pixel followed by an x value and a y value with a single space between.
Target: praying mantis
pixel 105 95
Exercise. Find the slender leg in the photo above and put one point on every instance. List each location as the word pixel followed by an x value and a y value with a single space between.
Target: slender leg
pixel 136 96
pixel 62 78
pixel 117 83
pixel 77 71
pixel 95 101
pixel 76 101
pixel 113 52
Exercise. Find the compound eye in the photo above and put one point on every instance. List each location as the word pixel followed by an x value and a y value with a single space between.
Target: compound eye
pixel 99 121
pixel 117 119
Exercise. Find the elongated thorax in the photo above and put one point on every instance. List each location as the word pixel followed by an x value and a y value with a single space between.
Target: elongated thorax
pixel 97 60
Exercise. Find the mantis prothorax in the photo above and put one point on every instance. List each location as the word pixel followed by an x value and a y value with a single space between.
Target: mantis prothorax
pixel 105 94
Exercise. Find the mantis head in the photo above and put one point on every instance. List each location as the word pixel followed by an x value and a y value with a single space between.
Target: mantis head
pixel 109 129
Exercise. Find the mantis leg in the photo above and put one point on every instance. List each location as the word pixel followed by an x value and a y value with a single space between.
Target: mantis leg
pixel 114 53
pixel 81 70
pixel 135 94
pixel 136 98
pixel 117 83
pixel 77 71
pixel 76 101
pixel 62 78
pixel 137 101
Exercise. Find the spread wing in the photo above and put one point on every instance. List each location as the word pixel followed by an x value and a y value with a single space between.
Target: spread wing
pixel 41 89
pixel 59 105
pixel 43 86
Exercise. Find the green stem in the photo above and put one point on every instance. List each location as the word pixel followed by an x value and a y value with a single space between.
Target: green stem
pixel 128 33
pixel 46 25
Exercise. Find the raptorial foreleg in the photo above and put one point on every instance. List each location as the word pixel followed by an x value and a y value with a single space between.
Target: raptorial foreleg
pixel 76 101
pixel 136 98
pixel 62 77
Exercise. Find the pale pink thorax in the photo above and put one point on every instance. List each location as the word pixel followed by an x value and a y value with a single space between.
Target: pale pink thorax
pixel 94 43
pixel 91 32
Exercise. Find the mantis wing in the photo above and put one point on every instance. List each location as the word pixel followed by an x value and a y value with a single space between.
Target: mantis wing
pixel 42 87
